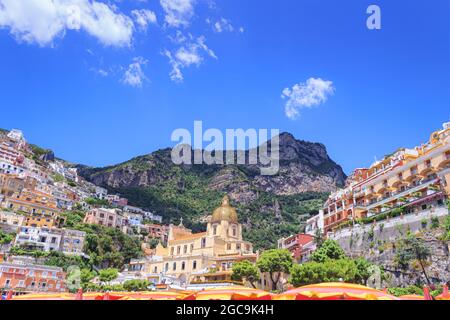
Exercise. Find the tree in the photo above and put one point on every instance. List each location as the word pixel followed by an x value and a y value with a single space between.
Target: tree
pixel 136 285
pixel 412 248
pixel 327 271
pixel 245 270
pixel 318 238
pixel 107 275
pixel 330 249
pixel 275 262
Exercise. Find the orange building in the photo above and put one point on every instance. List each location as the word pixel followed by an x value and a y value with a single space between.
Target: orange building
pixel 31 278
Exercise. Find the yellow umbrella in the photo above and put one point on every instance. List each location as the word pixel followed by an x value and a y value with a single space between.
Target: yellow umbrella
pixel 45 296
pixel 335 291
pixel 230 293
pixel 412 297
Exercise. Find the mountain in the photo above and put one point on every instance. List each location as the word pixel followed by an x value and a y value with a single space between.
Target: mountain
pixel 269 206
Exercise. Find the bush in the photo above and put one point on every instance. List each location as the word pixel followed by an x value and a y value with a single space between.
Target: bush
pixel 434 222
pixel 136 285
pixel 405 291
pixel 330 249
pixel 347 270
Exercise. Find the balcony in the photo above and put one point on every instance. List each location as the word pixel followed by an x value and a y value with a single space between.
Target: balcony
pixel 407 191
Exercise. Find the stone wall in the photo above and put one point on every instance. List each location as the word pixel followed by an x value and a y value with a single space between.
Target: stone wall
pixel 376 242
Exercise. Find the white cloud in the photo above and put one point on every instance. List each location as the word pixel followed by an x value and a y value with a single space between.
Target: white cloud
pixel 178 12
pixel 192 52
pixel 306 95
pixel 143 18
pixel 42 21
pixel 134 75
pixel 223 25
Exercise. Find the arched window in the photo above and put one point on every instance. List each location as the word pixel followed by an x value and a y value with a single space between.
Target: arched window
pixel 174 266
pixel 166 267
pixel 183 265
pixel 234 231
pixel 215 229
pixel 155 270
pixel 194 265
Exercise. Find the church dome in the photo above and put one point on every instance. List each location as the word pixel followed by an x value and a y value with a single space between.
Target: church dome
pixel 225 212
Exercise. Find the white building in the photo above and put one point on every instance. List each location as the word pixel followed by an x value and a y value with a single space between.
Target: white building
pixel 67 241
pixel 315 223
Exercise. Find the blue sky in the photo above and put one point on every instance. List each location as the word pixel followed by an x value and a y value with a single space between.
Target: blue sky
pixel 116 87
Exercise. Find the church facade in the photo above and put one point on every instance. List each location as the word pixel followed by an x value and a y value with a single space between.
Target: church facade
pixel 204 257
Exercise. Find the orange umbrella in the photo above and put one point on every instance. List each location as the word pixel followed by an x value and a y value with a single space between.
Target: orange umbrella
pixel 335 291
pixel 230 293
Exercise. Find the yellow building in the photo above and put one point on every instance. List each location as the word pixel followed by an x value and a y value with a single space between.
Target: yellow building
pixel 411 179
pixel 40 209
pixel 203 257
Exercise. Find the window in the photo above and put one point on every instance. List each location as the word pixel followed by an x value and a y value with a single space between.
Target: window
pixel 166 268
pixel 238 246
pixel 234 230
pixel 53 239
pixel 192 247
pixel 171 251
pixel 194 265
pixel 183 265
pixel 155 270
pixel 203 242
pixel 178 250
pixel 229 246
pixel 174 266
pixel 185 249
pixel 215 230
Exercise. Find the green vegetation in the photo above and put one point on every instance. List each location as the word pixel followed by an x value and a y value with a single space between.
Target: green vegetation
pixel 245 270
pixel 275 262
pixel 410 249
pixel 97 202
pixel 330 249
pixel 136 285
pixel 329 264
pixel 57 177
pixel 108 275
pixel 109 247
pixel 6 238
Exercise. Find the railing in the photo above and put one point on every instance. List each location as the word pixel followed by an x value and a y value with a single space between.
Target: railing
pixel 399 194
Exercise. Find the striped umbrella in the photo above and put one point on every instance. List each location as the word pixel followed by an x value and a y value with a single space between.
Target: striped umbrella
pixel 335 291
pixel 230 293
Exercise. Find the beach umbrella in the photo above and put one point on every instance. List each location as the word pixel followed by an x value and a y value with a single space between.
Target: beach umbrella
pixel 45 296
pixel 79 295
pixel 230 293
pixel 427 294
pixel 412 297
pixel 335 291
pixel 444 295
